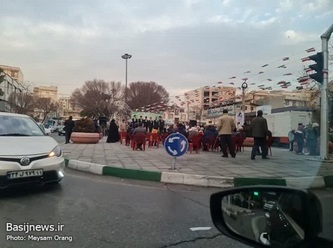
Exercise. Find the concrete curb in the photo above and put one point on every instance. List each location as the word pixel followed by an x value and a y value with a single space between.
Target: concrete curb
pixel 294 182
pixel 198 180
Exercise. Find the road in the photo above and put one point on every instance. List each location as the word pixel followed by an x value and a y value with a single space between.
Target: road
pixel 99 211
pixel 59 139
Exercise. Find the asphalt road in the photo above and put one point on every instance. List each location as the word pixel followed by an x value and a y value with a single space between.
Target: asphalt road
pixel 99 211
pixel 59 139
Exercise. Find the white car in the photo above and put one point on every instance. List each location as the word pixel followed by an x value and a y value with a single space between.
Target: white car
pixel 27 154
pixel 47 129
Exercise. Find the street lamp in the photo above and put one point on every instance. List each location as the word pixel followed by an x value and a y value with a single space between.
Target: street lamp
pixel 126 56
pixel 244 87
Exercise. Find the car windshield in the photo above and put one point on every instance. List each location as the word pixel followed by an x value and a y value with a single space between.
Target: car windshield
pixel 19 126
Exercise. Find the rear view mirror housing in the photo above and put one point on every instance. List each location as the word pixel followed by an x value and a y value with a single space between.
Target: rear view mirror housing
pixel 267 216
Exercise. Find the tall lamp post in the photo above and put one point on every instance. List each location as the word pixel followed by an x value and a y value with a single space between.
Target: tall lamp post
pixel 126 57
pixel 244 87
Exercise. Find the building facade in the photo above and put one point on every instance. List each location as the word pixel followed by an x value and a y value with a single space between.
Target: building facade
pixel 13 72
pixel 268 100
pixel 46 92
pixel 7 87
pixel 207 97
pixel 66 109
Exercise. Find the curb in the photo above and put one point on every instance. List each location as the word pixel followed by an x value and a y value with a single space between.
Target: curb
pixel 294 182
pixel 198 180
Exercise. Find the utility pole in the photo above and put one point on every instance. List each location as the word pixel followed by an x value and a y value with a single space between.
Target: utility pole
pixel 324 114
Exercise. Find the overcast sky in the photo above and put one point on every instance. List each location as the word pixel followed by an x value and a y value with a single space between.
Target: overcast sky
pixel 180 44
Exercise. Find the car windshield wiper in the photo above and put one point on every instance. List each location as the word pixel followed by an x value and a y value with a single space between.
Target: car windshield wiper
pixel 14 134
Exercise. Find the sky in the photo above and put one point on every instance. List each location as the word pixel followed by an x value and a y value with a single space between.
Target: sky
pixel 180 44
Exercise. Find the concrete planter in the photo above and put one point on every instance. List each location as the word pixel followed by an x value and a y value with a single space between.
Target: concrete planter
pixel 85 138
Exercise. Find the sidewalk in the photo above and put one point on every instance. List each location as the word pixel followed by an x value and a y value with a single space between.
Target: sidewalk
pixel 202 169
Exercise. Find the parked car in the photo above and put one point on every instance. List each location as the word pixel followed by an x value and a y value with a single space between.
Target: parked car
pixel 27 154
pixel 61 130
pixel 54 129
pixel 47 129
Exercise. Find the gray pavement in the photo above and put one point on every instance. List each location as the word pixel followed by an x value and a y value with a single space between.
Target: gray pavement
pixel 282 163
pixel 109 212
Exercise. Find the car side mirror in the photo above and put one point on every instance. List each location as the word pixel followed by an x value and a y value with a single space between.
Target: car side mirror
pixel 267 216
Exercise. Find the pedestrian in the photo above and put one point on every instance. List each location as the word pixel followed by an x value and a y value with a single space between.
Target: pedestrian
pixel 69 125
pixel 299 138
pixel 146 124
pixel 150 124
pixel 160 125
pixel 156 124
pixel 226 126
pixel 122 126
pixel 291 137
pixel 113 136
pixel 312 137
pixel 140 129
pixel 134 119
pixel 259 130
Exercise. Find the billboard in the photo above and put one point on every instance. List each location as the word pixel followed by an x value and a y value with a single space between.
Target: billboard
pixel 217 112
pixel 144 114
pixel 240 117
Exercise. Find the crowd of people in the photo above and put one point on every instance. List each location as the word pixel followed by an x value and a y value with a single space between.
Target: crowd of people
pixel 303 140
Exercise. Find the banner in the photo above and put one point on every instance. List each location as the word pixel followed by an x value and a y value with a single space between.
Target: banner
pixel 144 114
pixel 240 118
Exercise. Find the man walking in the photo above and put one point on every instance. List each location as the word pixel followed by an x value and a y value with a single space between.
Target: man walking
pixel 259 130
pixel 160 125
pixel 69 125
pixel 225 127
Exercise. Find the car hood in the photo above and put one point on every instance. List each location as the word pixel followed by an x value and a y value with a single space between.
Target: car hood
pixel 29 145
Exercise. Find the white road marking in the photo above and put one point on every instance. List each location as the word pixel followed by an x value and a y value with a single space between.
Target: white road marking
pixel 203 228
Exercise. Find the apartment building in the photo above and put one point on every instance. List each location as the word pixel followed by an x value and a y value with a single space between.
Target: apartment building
pixel 67 109
pixel 7 87
pixel 205 97
pixel 46 92
pixel 13 72
pixel 271 99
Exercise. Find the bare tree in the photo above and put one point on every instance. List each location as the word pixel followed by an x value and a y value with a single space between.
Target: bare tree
pixel 46 106
pixel 22 102
pixel 98 97
pixel 144 93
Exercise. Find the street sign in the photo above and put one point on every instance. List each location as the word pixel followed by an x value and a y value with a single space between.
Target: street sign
pixel 176 144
